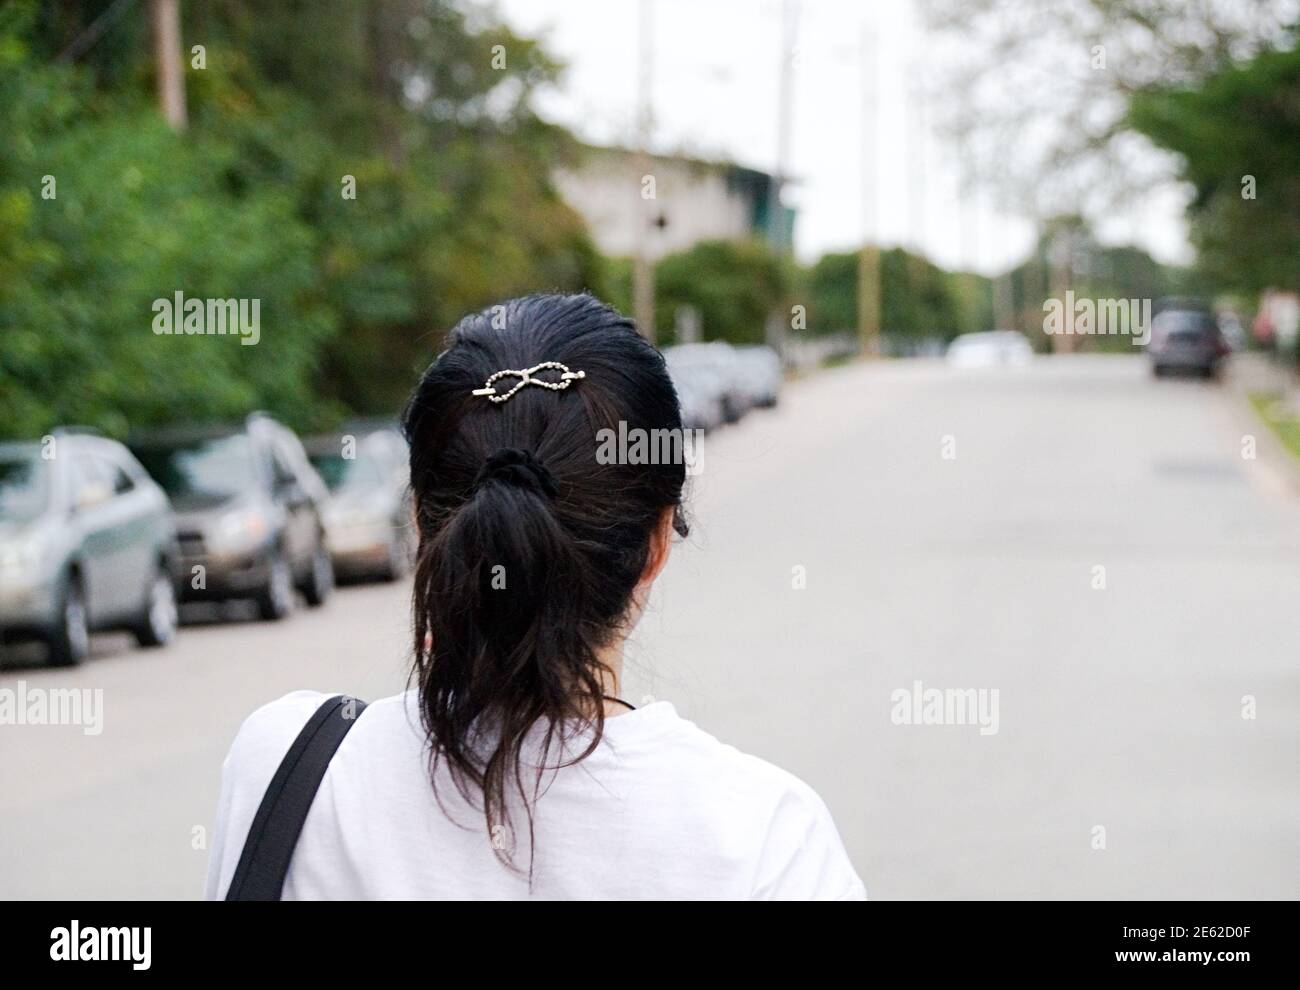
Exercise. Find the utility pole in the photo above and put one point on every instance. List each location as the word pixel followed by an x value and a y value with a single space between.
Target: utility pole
pixel 915 138
pixel 776 212
pixel 166 17
pixel 643 274
pixel 1003 308
pixel 1042 279
pixel 968 209
pixel 780 236
pixel 869 254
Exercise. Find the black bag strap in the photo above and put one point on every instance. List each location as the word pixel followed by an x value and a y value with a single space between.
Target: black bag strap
pixel 280 817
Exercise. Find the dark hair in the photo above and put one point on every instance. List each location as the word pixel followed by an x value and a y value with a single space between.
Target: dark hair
pixel 515 490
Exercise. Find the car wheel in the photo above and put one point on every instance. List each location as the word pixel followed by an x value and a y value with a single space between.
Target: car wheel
pixel 275 600
pixel 320 577
pixel 1158 370
pixel 157 626
pixel 70 640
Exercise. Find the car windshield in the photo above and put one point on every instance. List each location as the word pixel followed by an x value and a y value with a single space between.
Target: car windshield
pixel 342 472
pixel 1184 323
pixel 24 486
pixel 212 467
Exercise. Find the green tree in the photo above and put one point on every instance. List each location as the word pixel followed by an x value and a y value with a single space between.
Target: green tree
pixel 734 285
pixel 1238 136
pixel 918 299
pixel 423 108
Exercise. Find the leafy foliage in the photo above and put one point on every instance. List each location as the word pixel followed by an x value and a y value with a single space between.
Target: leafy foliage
pixel 917 298
pixel 454 206
pixel 1238 134
pixel 734 286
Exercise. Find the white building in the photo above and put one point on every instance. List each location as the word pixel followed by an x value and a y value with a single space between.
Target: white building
pixel 677 201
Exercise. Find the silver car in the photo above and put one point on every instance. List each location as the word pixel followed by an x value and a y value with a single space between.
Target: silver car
pixel 700 396
pixel 87 542
pixel 368 520
pixel 715 361
pixel 763 374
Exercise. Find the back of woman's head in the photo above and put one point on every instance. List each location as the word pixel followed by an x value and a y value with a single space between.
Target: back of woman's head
pixel 531 545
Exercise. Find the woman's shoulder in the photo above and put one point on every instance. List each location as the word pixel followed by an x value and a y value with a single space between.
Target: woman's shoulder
pixel 695 749
pixel 266 735
pixel 800 853
pixel 268 732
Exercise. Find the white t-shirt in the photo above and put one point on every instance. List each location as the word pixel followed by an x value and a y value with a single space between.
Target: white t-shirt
pixel 660 809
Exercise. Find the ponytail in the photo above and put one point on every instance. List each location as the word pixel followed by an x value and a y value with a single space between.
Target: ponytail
pixel 500 589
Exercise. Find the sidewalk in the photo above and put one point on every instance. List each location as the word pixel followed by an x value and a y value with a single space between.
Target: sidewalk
pixel 1249 374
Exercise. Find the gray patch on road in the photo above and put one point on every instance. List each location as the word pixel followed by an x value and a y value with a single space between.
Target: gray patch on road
pixel 1189 469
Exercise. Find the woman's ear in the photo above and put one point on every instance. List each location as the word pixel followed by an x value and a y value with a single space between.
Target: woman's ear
pixel 661 543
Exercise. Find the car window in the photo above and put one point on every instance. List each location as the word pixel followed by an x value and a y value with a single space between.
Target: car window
pixel 207 467
pixel 24 486
pixel 339 472
pixel 385 447
pixel 118 479
pixel 282 466
pixel 1184 322
pixel 86 470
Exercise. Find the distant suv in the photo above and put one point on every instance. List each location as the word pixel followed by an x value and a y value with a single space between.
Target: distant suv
pixel 249 512
pixel 1186 338
pixel 87 542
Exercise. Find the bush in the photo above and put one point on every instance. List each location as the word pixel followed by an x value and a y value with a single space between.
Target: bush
pixel 735 286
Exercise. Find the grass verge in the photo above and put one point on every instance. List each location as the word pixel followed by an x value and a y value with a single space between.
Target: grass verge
pixel 1281 419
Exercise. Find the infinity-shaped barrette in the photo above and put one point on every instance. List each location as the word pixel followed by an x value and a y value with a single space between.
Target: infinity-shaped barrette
pixel 525 376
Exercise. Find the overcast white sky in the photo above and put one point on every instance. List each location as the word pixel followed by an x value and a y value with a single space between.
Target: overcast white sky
pixel 714 93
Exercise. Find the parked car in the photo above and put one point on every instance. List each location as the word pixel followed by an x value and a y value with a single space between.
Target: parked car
pixel 990 349
pixel 699 391
pixel 716 361
pixel 249 512
pixel 1186 338
pixel 87 542
pixel 762 374
pixel 368 522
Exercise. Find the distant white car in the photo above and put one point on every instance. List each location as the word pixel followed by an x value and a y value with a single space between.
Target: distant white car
pixel 992 349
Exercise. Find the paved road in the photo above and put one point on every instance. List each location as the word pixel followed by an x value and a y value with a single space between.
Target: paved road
pixel 1118 707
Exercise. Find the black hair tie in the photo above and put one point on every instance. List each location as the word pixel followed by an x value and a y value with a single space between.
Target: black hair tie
pixel 520 468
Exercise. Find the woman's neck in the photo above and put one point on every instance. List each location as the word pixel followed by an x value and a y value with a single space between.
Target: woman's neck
pixel 611 678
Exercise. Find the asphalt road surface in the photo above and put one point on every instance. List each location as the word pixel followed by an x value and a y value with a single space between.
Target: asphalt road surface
pixel 1083 540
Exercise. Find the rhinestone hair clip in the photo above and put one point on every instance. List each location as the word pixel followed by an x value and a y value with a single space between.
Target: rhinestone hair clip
pixel 525 376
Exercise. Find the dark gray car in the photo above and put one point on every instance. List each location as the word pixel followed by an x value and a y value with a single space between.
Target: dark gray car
pixel 1186 340
pixel 249 512
pixel 87 542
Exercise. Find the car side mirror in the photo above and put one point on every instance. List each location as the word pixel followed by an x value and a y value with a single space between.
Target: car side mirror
pixel 92 493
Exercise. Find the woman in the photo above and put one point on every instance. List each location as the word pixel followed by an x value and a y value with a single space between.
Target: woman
pixel 512 768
